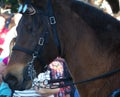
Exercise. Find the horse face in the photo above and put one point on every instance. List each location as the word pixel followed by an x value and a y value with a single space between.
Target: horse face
pixel 30 30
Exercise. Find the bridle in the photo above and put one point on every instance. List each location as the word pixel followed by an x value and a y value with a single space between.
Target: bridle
pixel 31 71
pixel 27 8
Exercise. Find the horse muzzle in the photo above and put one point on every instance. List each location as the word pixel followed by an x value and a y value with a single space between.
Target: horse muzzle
pixel 16 84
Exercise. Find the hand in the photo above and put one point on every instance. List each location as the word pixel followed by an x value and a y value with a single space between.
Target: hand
pixel 46 92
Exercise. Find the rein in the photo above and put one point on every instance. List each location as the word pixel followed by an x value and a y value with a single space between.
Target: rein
pixel 69 80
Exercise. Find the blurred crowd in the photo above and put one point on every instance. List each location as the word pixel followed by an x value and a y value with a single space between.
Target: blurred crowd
pixel 8 23
pixel 112 7
pixel 8 33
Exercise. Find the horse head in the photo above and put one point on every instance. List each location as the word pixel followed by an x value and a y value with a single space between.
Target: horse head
pixel 35 48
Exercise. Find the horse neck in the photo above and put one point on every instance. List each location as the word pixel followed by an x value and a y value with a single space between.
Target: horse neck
pixel 62 1
pixel 59 5
pixel 64 18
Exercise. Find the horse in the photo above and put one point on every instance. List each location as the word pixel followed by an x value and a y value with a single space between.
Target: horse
pixel 86 37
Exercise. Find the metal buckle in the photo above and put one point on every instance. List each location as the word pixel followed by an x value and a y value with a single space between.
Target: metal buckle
pixel 30 10
pixel 45 82
pixel 52 20
pixel 41 41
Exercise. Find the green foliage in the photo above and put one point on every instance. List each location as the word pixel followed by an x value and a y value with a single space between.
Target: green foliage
pixel 9 1
pixel 13 3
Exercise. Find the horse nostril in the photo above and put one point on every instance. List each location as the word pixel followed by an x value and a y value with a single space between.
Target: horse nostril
pixel 11 80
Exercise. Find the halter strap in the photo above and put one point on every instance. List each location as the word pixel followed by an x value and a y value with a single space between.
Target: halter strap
pixel 16 47
pixel 53 26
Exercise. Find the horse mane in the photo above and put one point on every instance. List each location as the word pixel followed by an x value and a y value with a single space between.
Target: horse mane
pixel 105 26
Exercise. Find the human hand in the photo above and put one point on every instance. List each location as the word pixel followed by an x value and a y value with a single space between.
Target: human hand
pixel 46 91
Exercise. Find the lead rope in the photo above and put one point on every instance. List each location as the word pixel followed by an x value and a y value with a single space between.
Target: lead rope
pixel 69 80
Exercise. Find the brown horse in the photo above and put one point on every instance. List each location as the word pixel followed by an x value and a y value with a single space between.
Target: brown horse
pixel 89 42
